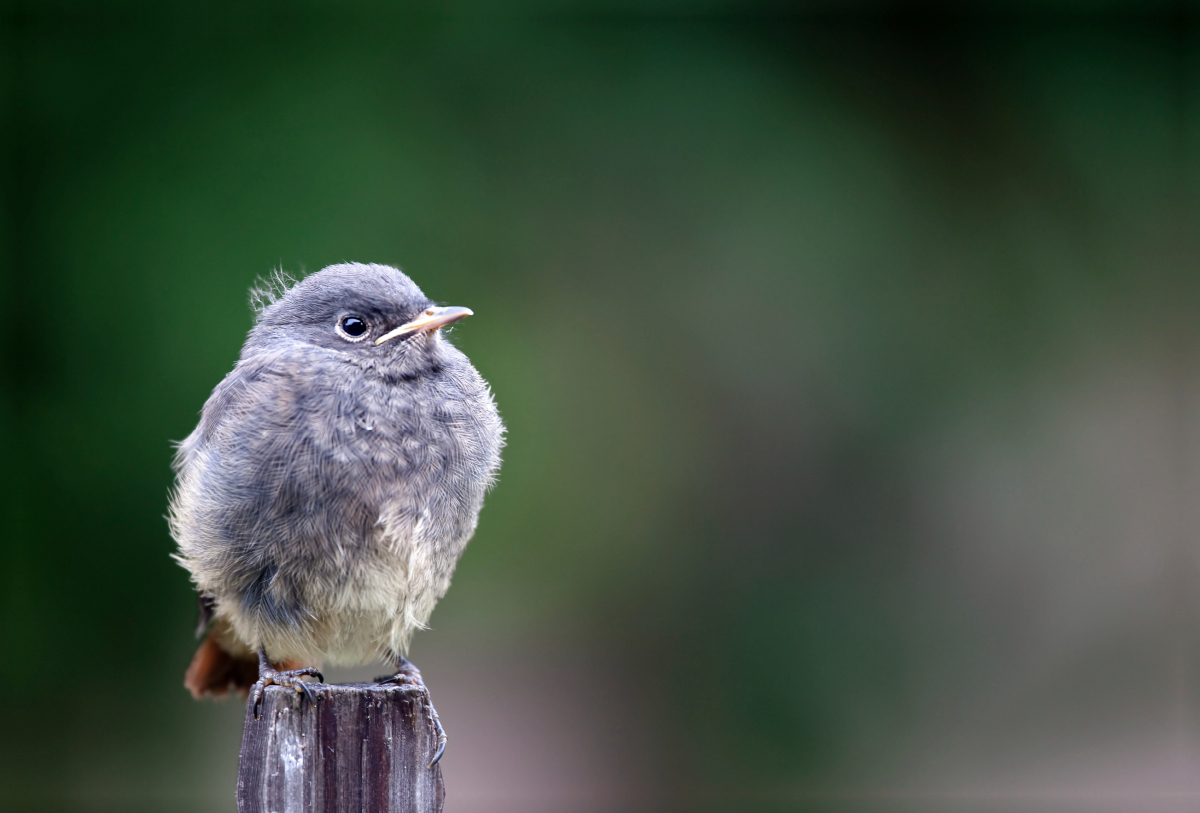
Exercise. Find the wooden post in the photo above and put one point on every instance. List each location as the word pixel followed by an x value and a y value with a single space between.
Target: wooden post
pixel 362 748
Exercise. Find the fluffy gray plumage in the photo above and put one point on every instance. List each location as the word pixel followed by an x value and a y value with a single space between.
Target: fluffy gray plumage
pixel 332 484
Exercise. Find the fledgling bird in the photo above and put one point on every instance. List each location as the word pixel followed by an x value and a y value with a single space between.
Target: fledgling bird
pixel 332 483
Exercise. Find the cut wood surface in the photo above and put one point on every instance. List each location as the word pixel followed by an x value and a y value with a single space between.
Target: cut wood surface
pixel 364 748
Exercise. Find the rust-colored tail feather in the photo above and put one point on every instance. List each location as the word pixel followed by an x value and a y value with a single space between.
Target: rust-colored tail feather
pixel 213 672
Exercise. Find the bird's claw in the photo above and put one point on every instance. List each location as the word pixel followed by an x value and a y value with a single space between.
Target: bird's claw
pixel 409 675
pixel 441 732
pixel 402 678
pixel 291 679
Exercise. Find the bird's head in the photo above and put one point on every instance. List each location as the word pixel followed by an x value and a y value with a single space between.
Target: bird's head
pixel 375 313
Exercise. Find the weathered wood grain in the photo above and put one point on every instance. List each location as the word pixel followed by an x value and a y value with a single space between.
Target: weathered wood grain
pixel 364 748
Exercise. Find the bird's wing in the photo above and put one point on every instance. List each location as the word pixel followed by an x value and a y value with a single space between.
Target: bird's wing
pixel 238 392
pixel 208 607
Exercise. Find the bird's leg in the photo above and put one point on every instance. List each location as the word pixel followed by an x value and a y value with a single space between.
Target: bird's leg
pixel 409 675
pixel 268 675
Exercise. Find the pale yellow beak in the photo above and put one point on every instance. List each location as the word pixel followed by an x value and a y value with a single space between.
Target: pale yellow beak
pixel 430 319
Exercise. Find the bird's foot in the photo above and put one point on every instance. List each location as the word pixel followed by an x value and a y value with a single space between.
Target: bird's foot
pixel 409 675
pixel 291 678
pixel 406 674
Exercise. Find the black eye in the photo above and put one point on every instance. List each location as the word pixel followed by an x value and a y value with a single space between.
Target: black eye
pixel 352 326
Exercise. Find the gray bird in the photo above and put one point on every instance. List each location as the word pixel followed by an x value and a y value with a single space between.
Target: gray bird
pixel 332 483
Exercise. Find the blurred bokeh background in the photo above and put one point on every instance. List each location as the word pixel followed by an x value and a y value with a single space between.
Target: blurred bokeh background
pixel 850 365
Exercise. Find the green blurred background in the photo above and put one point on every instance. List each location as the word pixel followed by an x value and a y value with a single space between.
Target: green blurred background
pixel 849 363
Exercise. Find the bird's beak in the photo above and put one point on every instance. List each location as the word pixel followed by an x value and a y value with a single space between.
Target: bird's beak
pixel 430 319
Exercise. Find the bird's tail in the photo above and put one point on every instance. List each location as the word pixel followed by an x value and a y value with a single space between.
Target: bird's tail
pixel 214 672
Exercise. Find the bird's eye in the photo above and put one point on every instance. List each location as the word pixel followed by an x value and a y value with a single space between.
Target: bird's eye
pixel 352 327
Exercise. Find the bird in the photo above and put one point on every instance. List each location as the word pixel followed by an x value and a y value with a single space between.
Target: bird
pixel 334 478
